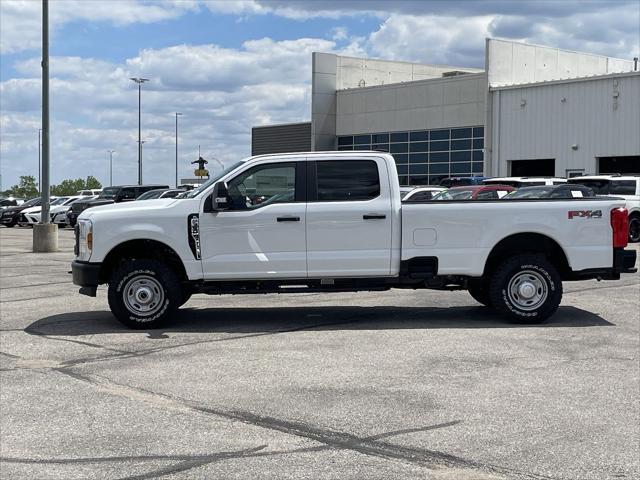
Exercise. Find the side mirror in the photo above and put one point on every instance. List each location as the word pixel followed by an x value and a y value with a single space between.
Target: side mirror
pixel 218 200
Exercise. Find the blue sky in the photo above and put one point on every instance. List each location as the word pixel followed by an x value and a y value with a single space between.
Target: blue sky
pixel 230 65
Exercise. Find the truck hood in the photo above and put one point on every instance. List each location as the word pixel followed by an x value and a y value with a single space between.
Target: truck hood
pixel 128 208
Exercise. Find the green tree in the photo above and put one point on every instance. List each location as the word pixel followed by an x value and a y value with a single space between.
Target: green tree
pixel 71 187
pixel 67 187
pixel 26 188
pixel 92 182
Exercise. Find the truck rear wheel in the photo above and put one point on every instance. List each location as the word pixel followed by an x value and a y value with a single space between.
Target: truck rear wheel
pixel 144 294
pixel 526 289
pixel 634 228
pixel 479 290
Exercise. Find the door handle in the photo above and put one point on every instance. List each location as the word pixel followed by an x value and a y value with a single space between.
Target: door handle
pixel 288 219
pixel 374 216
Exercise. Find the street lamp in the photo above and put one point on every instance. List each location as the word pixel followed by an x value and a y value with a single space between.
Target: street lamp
pixel 139 81
pixel 111 167
pixel 178 114
pixel 39 161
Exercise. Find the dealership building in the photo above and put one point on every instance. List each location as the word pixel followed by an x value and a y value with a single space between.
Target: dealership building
pixel 532 111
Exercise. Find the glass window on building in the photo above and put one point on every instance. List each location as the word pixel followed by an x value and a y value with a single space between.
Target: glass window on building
pixel 426 156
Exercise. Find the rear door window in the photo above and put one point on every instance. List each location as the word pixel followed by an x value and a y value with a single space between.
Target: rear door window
pixel 487 195
pixel 622 187
pixel 347 180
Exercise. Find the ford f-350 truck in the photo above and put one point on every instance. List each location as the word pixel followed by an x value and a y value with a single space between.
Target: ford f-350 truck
pixel 334 221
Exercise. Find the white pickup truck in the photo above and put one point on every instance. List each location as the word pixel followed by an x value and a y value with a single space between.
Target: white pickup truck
pixel 335 221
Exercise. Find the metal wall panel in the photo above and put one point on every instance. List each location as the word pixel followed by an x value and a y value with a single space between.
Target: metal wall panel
pixel 292 137
pixel 574 122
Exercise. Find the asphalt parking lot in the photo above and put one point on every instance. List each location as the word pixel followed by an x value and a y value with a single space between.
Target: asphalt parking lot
pixel 401 384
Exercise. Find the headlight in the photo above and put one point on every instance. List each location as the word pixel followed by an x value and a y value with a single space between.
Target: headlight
pixel 85 239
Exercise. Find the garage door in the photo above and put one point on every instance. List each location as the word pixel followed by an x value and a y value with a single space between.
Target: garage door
pixel 545 167
pixel 623 165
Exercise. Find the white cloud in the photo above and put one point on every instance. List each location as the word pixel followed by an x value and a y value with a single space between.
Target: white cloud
pixel 221 92
pixel 21 20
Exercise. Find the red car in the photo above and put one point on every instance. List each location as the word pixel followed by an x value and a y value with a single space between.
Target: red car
pixel 475 192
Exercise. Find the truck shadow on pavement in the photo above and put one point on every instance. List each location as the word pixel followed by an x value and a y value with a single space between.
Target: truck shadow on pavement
pixel 283 319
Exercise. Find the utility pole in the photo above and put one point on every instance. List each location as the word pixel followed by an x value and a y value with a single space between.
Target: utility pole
pixel 111 167
pixel 139 81
pixel 45 234
pixel 39 162
pixel 177 115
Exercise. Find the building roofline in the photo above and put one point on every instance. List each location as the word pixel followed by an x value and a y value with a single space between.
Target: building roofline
pixel 282 124
pixel 453 67
pixel 565 80
pixel 557 48
pixel 415 82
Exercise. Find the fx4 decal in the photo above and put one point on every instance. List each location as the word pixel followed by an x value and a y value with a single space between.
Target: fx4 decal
pixel 584 214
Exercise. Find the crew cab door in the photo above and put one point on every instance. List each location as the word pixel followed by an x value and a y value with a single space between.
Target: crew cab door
pixel 348 218
pixel 262 235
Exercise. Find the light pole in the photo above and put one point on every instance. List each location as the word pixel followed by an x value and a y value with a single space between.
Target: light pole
pixel 111 167
pixel 177 115
pixel 45 234
pixel 39 161
pixel 139 81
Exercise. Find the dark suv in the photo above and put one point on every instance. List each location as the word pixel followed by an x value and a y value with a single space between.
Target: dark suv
pixel 9 216
pixel 122 193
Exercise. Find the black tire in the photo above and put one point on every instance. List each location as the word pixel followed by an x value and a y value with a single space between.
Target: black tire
pixel 634 229
pixel 186 295
pixel 10 225
pixel 135 282
pixel 479 290
pixel 517 278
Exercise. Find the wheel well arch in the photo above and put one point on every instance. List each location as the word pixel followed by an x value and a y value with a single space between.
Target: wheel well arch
pixel 528 242
pixel 141 249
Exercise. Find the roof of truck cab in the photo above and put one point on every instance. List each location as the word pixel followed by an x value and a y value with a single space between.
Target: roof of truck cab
pixel 336 153
pixel 606 177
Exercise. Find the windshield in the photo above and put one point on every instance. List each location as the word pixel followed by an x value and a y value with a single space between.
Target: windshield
pixel 59 201
pixel 32 203
pixel 150 194
pixel 198 190
pixel 454 195
pixel 599 186
pixel 530 192
pixel 109 192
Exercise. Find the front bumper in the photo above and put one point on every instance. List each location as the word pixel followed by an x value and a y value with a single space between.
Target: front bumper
pixel 6 219
pixel 86 275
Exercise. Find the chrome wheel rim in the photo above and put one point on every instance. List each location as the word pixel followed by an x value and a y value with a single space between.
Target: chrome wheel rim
pixel 143 295
pixel 527 290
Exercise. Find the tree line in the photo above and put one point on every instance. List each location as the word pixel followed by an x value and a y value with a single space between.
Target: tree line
pixel 27 187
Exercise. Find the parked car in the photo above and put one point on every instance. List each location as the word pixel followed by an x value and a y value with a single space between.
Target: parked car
pixel 627 187
pixel 461 181
pixel 10 215
pixel 109 195
pixel 475 192
pixel 565 190
pixel 345 229
pixel 58 213
pixel 160 193
pixel 30 216
pixel 92 192
pixel 422 194
pixel 518 182
pixel 10 202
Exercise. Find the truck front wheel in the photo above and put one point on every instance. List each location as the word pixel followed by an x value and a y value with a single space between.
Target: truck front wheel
pixel 526 288
pixel 144 293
